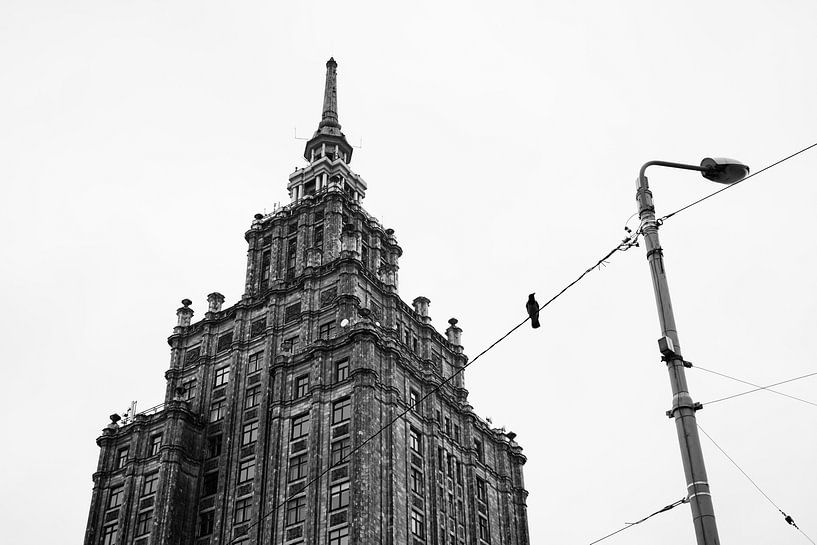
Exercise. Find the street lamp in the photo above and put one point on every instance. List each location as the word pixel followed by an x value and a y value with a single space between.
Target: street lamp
pixel 725 171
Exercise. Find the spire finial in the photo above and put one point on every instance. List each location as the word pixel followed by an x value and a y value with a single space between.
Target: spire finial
pixel 328 140
pixel 329 118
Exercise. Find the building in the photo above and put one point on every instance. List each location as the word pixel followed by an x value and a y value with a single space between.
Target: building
pixel 318 409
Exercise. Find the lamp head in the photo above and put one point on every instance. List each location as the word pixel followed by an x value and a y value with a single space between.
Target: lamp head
pixel 724 170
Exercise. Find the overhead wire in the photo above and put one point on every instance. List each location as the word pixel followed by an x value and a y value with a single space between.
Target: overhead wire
pixel 787 518
pixel 757 386
pixel 629 525
pixel 627 243
pixel 702 199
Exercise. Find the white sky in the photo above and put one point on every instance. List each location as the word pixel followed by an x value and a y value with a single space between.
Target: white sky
pixel 501 141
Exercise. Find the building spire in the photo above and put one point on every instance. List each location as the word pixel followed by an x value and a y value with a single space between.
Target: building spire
pixel 328 140
pixel 329 117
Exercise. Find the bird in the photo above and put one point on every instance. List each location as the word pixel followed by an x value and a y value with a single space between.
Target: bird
pixel 533 311
pixel 789 520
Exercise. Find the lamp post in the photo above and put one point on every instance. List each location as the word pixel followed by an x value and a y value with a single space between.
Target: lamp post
pixel 726 171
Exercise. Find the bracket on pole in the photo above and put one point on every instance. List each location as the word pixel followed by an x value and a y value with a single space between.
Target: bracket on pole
pixel 667 348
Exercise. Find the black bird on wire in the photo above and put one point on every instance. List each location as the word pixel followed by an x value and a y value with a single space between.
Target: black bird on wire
pixel 533 311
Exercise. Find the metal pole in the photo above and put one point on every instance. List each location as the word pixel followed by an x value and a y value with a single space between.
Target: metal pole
pixel 683 408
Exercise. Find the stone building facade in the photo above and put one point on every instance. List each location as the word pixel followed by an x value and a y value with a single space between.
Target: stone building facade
pixel 318 409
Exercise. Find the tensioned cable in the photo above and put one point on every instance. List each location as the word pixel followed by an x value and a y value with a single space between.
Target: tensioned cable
pixel 624 245
pixel 760 388
pixel 786 517
pixel 755 385
pixel 631 524
pixel 702 199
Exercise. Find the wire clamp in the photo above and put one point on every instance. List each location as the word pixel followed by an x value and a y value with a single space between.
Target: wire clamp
pixel 696 406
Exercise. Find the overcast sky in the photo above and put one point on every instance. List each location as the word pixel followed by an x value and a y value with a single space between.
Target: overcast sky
pixel 501 141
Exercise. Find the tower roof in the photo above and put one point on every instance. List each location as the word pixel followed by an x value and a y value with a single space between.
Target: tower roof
pixel 328 138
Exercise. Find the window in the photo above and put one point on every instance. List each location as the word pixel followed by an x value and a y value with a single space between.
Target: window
pixel 456 433
pixel 249 433
pixel 115 499
pixel 265 269
pixel 318 237
pixel 221 377
pixel 246 470
pixel 292 312
pixel 210 484
pixel 217 410
pixel 447 426
pixel 297 467
pixel 461 511
pixel 296 510
pixel 340 450
pixel 415 441
pixel 189 390
pixel 143 522
pixel 214 446
pixel 482 491
pixel 300 426
pixel 252 397
pixel 339 496
pixel 121 458
pixel 292 250
pixel 155 445
pixel 437 360
pixel 417 524
pixel 364 255
pixel 341 370
pixel 257 327
pixel 224 342
pixel 151 484
pixel 437 416
pixel 109 535
pixel 290 344
pixel 483 529
pixel 416 481
pixel 327 330
pixel 243 510
pixel 206 523
pixel 458 467
pixel 341 410
pixel 414 399
pixel 292 228
pixel 439 458
pixel 478 448
pixel 301 386
pixel 255 363
pixel 339 536
pixel 377 310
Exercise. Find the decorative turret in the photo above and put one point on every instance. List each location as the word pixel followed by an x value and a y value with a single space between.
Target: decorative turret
pixel 328 140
